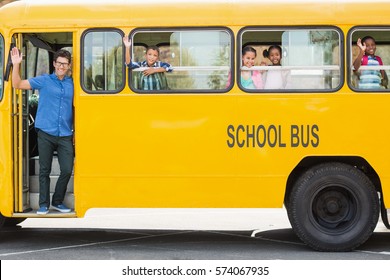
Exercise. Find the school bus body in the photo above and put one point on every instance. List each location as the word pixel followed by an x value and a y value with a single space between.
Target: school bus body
pixel 187 162
pixel 231 149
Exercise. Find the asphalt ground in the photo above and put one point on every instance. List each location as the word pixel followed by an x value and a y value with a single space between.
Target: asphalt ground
pixel 173 234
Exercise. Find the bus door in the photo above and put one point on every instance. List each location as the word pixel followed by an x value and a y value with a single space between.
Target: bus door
pixel 20 125
pixel 37 50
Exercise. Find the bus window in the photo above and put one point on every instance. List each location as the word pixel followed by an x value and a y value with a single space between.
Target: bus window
pixel 201 59
pixel 372 74
pixel 102 61
pixel 37 59
pixel 310 58
pixel 37 62
pixel 1 66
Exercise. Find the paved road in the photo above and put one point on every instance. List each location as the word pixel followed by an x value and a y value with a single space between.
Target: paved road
pixel 170 234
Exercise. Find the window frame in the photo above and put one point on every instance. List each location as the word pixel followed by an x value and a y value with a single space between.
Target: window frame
pixel 82 55
pixel 289 28
pixel 180 29
pixel 367 28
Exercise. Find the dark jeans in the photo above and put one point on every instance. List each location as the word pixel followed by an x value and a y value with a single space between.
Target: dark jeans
pixel 47 144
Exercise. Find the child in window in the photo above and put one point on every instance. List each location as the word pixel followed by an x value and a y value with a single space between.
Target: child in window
pixel 250 79
pixel 275 79
pixel 369 79
pixel 152 78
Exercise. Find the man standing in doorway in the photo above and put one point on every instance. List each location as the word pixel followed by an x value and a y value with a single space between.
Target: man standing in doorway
pixel 54 125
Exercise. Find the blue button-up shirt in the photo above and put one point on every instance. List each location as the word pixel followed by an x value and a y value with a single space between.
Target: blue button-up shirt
pixel 55 106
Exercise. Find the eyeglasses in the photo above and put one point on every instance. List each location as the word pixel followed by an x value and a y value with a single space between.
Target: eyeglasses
pixel 63 64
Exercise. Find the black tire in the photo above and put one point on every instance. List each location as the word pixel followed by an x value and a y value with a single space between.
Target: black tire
pixel 333 207
pixel 11 222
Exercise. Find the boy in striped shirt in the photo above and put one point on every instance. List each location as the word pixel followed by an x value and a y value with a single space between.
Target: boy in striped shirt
pixel 152 77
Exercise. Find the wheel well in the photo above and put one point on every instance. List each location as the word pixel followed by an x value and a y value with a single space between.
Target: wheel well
pixel 309 162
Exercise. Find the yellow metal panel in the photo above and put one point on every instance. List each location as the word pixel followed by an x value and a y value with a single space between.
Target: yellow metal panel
pixel 172 151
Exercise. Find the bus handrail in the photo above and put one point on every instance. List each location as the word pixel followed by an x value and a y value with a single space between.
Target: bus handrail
pixel 295 67
pixel 227 68
pixel 371 67
pixel 191 68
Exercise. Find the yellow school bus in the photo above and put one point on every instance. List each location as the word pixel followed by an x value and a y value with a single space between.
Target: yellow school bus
pixel 318 146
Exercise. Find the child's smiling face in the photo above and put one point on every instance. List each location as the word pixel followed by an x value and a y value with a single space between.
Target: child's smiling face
pixel 370 46
pixel 151 56
pixel 274 56
pixel 248 59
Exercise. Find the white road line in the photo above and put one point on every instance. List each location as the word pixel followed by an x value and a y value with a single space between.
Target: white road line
pixel 88 244
pixel 253 235
pixel 256 232
pixel 372 252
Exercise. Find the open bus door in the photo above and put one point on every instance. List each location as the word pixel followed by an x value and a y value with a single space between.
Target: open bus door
pixel 37 59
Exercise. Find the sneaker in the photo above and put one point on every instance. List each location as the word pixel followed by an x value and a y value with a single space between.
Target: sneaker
pixel 61 207
pixel 43 210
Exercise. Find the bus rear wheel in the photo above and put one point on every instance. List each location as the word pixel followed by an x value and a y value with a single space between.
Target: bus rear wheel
pixel 333 207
